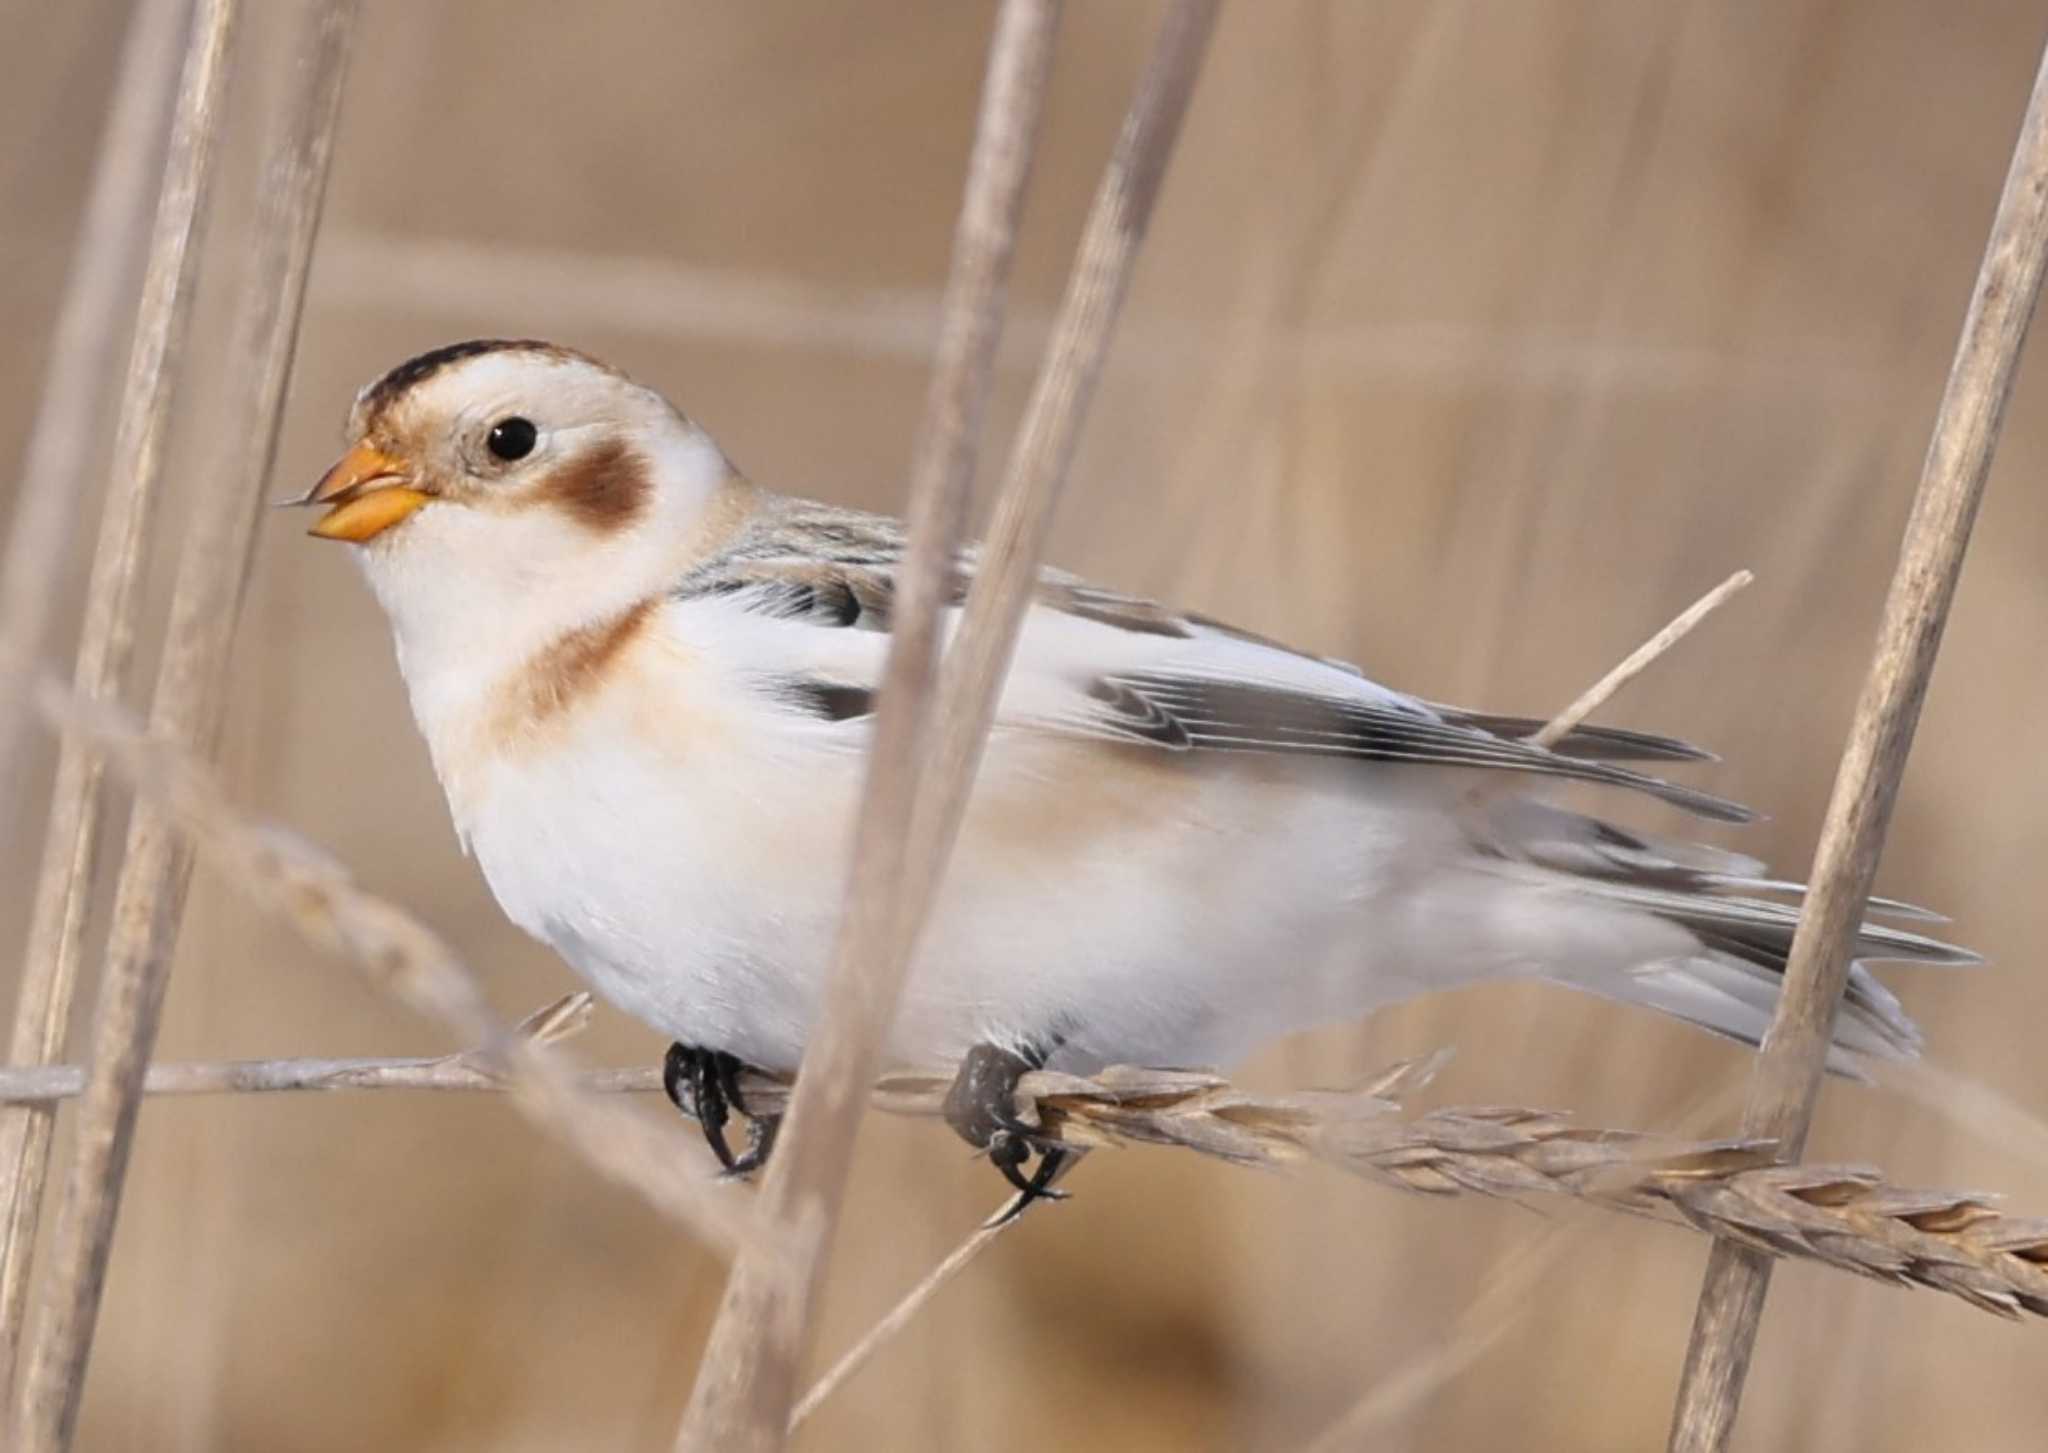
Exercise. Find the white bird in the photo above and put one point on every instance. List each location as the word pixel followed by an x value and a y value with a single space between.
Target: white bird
pixel 647 687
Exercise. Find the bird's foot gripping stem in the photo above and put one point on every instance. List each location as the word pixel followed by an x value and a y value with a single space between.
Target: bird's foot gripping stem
pixel 981 1107
pixel 704 1085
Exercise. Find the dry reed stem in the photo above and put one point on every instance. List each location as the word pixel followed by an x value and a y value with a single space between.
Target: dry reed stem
pixel 191 684
pixel 1787 1077
pixel 1638 661
pixel 745 1387
pixel 399 955
pixel 464 1070
pixel 1844 1216
pixel 1051 431
pixel 901 1315
pixel 70 420
pixel 1848 1217
pixel 71 412
pixel 746 1378
pixel 924 816
pixel 45 1403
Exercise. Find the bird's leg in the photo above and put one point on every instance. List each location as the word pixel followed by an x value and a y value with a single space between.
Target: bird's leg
pixel 704 1085
pixel 981 1106
pixel 693 1089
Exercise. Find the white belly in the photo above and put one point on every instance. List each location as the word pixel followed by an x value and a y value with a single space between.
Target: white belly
pixel 1124 908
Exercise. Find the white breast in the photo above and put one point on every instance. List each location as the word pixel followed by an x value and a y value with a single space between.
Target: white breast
pixel 684 843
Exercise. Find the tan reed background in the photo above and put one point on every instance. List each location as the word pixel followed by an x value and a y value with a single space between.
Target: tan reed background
pixel 1472 340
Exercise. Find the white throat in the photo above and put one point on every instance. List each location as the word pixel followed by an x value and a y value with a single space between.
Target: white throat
pixel 475 595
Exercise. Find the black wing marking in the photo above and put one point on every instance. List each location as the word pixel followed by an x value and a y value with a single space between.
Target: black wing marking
pixel 836 568
pixel 829 700
pixel 815 593
pixel 1593 743
pixel 1206 714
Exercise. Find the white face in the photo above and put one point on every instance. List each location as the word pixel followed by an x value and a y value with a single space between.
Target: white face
pixel 503 428
pixel 510 483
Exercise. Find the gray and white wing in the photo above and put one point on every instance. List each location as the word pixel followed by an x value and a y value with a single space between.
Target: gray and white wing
pixel 1120 669
pixel 1218 691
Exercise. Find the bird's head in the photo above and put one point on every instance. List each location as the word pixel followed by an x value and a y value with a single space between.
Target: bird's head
pixel 500 481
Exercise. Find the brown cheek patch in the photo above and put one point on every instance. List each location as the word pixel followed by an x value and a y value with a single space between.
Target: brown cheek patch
pixel 569 671
pixel 605 489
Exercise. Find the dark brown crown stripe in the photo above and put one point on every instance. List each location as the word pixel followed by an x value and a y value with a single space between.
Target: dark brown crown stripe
pixel 396 384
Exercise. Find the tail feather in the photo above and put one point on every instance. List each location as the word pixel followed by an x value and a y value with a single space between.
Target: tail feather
pixel 1730 985
pixel 1753 882
pixel 1734 998
pixel 1766 926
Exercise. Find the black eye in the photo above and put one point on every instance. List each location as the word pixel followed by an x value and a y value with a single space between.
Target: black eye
pixel 512 438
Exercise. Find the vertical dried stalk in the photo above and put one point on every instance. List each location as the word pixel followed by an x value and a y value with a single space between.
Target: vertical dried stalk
pixel 1052 429
pixel 162 322
pixel 70 414
pixel 191 684
pixel 745 1387
pixel 68 421
pixel 150 896
pixel 1788 1071
pixel 748 1375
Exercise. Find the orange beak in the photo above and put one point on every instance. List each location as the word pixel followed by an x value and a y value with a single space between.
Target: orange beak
pixel 368 490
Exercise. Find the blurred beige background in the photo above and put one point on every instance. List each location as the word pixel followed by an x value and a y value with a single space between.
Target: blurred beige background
pixel 1474 339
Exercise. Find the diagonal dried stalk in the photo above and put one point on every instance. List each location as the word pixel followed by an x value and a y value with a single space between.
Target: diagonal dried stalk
pixel 45 1402
pixel 1639 660
pixel 1788 1072
pixel 747 1375
pixel 399 955
pixel 902 1314
pixel 68 423
pixel 191 685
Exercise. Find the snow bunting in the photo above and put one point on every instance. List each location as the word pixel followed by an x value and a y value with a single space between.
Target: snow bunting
pixel 648 684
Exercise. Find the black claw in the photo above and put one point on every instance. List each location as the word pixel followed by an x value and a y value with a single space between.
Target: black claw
pixel 981 1108
pixel 761 1132
pixel 725 1069
pixel 704 1084
pixel 1009 1155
